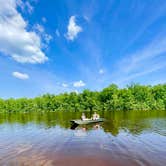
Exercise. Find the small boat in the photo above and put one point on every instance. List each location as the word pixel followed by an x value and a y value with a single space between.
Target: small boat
pixel 88 121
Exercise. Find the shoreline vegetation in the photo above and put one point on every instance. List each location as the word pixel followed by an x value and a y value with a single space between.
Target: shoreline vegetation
pixel 132 97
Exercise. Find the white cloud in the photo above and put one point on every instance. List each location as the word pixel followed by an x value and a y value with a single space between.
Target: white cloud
pixel 29 7
pixel 44 19
pixel 73 29
pixel 21 76
pixel 39 28
pixel 143 62
pixel 25 6
pixel 65 85
pixel 41 32
pixel 20 4
pixel 86 18
pixel 101 71
pixel 136 60
pixel 131 76
pixel 47 38
pixel 15 41
pixel 57 32
pixel 79 84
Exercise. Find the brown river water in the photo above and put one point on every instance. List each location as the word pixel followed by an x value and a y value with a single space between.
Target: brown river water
pixel 131 138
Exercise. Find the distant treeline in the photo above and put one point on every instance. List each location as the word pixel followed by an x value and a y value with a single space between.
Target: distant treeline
pixel 133 97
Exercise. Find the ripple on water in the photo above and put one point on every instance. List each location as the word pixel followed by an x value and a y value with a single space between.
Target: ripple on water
pixel 134 141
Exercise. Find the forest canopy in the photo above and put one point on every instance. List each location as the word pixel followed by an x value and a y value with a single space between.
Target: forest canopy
pixel 132 97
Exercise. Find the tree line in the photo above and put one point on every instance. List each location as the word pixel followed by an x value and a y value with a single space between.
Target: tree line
pixel 132 97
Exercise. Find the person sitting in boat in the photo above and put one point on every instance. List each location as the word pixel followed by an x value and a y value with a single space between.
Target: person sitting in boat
pixel 83 117
pixel 95 116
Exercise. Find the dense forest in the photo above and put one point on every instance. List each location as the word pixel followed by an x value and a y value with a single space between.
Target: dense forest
pixel 133 97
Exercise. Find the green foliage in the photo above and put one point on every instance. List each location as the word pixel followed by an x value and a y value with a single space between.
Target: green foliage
pixel 134 97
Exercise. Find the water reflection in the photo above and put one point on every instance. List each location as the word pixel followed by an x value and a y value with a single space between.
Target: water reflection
pixel 133 121
pixel 133 138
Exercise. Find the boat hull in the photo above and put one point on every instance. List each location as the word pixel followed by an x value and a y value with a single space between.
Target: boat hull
pixel 81 122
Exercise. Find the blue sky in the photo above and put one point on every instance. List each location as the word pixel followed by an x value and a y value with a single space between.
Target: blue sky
pixel 69 45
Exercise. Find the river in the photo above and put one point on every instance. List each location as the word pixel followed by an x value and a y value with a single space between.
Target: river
pixel 132 138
